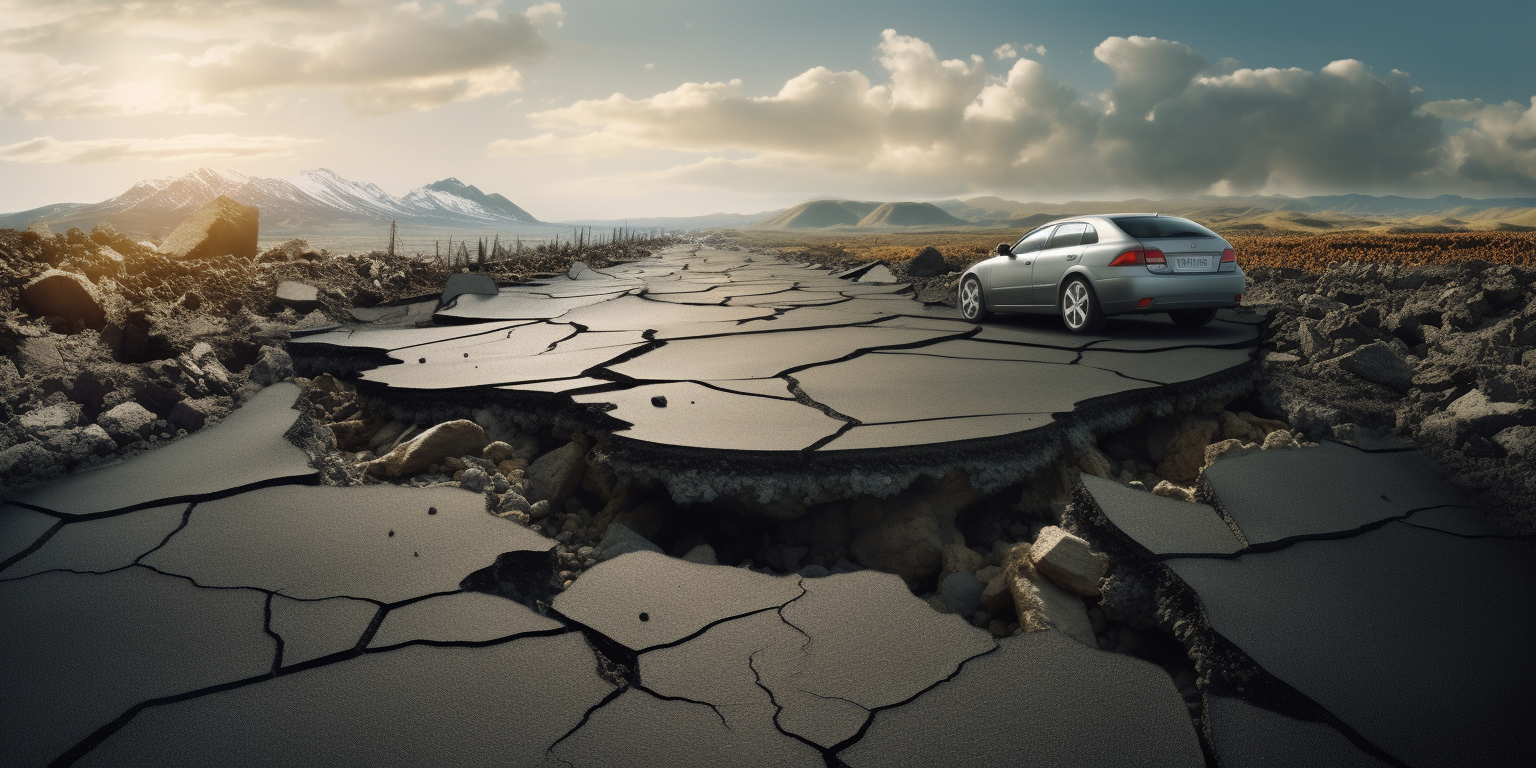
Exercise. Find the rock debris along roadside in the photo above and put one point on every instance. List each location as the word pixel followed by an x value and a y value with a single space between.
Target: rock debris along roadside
pixel 1092 572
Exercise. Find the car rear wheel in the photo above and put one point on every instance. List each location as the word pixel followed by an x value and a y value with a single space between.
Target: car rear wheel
pixel 1191 318
pixel 1080 309
pixel 973 306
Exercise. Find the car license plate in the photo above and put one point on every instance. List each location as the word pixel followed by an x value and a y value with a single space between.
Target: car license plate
pixel 1191 263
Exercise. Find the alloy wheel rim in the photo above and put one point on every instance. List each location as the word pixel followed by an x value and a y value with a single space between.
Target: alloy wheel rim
pixel 969 300
pixel 1076 311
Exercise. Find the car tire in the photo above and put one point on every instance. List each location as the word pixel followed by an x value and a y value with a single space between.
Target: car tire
pixel 1191 318
pixel 973 303
pixel 1080 310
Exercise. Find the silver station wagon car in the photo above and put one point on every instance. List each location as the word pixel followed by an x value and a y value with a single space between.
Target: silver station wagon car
pixel 1088 268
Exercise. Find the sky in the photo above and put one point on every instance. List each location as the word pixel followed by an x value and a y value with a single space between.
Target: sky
pixel 607 109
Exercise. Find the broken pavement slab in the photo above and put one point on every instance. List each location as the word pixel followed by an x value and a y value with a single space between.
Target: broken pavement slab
pixel 382 542
pixel 645 600
pixel 869 644
pixel 1041 699
pixel 82 649
pixel 418 705
pixel 246 450
pixel 1344 620
pixel 98 546
pixel 1265 496
pixel 1161 525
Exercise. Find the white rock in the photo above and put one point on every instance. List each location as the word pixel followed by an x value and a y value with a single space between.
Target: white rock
pixel 1068 561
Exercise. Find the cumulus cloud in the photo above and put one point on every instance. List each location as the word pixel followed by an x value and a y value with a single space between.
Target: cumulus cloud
pixel 1497 148
pixel 193 146
pixel 1172 121
pixel 204 55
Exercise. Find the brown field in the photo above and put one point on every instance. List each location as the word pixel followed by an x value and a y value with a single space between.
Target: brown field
pixel 1312 253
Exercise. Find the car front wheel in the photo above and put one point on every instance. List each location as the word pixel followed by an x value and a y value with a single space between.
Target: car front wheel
pixel 1191 318
pixel 973 306
pixel 1080 309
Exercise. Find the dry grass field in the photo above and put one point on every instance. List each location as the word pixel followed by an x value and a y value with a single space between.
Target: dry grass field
pixel 1312 253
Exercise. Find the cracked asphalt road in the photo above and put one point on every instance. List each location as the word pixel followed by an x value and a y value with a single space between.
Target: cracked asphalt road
pixel 175 609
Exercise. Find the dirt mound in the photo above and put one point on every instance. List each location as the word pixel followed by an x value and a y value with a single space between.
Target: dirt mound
pixel 818 214
pixel 911 215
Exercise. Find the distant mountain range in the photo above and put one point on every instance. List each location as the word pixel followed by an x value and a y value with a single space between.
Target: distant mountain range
pixel 317 200
pixel 1253 213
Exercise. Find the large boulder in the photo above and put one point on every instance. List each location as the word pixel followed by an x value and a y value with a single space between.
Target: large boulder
pixel 453 438
pixel 557 474
pixel 56 293
pixel 927 263
pixel 127 422
pixel 223 227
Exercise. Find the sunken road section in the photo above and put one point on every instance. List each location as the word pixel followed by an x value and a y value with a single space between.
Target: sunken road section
pixel 268 620
pixel 724 374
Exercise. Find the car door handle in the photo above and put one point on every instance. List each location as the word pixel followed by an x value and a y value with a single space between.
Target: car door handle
pixel 1027 263
pixel 1071 256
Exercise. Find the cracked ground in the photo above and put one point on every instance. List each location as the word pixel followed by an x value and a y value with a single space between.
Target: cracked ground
pixel 211 603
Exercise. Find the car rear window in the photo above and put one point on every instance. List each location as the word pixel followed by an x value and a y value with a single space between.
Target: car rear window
pixel 1152 227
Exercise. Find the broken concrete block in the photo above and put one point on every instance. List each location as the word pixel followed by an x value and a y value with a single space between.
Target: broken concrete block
pixel 299 297
pixel 1041 605
pixel 557 474
pixel 1068 561
pixel 222 227
pixel 56 293
pixel 452 438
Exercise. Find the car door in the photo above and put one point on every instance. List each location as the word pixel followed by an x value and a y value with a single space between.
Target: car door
pixel 1061 252
pixel 1011 280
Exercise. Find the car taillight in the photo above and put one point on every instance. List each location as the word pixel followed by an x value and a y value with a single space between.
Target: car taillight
pixel 1228 261
pixel 1151 257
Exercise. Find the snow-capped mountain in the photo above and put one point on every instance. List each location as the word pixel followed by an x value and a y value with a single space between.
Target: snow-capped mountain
pixel 316 199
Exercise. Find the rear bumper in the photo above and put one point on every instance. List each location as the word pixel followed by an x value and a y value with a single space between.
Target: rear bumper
pixel 1120 294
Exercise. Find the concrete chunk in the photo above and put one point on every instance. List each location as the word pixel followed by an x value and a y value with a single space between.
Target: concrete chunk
pixel 1041 604
pixel 1068 561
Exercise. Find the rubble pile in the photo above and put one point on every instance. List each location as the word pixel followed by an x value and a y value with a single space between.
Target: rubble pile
pixel 1442 355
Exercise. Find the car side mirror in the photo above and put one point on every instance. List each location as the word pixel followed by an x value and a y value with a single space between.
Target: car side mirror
pixel 1004 249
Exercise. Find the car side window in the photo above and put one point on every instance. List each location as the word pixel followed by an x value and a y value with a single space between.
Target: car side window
pixel 1067 234
pixel 1034 241
pixel 1090 235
